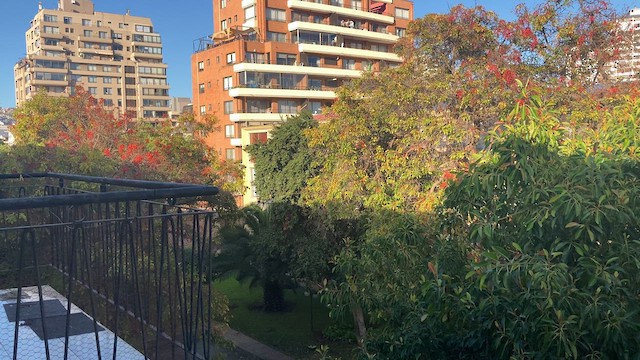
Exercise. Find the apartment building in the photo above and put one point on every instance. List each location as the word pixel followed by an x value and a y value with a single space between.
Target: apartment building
pixel 115 57
pixel 270 59
pixel 627 66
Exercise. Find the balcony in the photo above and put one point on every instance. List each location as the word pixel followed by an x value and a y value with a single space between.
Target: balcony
pixel 276 92
pixel 348 52
pixel 372 36
pixel 297 69
pixel 260 117
pixel 98 267
pixel 236 142
pixel 334 9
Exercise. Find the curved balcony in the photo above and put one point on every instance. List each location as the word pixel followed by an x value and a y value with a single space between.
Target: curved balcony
pixel 259 117
pixel 297 69
pixel 266 92
pixel 361 34
pixel 348 52
pixel 332 9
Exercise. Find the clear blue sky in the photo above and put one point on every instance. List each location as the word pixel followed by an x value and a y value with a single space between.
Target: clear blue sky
pixel 179 23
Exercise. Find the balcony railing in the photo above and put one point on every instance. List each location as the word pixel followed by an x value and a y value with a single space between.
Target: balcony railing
pixel 99 268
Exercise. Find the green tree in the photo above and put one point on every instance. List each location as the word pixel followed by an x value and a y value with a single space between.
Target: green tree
pixel 77 134
pixel 283 163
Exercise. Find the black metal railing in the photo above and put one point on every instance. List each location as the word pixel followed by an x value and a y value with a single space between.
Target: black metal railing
pixel 99 268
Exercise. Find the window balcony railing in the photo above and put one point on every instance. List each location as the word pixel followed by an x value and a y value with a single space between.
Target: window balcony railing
pixel 104 268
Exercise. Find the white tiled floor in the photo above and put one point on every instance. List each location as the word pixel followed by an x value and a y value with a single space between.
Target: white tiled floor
pixel 81 347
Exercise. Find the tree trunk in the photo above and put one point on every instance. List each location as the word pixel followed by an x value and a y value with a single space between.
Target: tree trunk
pixel 361 327
pixel 273 296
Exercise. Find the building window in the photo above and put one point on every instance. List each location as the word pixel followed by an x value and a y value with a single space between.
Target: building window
pixel 258 138
pixel 201 88
pixel 285 59
pixel 228 107
pixel 108 102
pixel 230 131
pixel 287 106
pixel 92 67
pixel 201 66
pixel 276 14
pixel 249 13
pixel 67 20
pixel 231 58
pixel 51 29
pixel 276 36
pixel 223 3
pixel 108 91
pixel 203 109
pixel 223 24
pixel 107 80
pixel 331 61
pixel 102 34
pixel 356 4
pixel 315 107
pixel 92 79
pixel 401 32
pixel 230 154
pixel 314 61
pixel 227 83
pixel 402 13
pixel 50 18
pixel 349 64
pixel 93 90
pixel 144 28
pixel 88 33
pixel 86 22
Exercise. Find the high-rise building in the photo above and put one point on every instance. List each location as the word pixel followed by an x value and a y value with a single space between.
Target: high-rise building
pixel 269 59
pixel 627 66
pixel 115 57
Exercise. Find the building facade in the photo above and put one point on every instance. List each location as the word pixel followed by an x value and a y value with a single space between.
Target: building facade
pixel 270 59
pixel 117 58
pixel 627 66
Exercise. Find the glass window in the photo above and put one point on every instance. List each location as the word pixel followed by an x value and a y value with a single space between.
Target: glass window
pixel 349 64
pixel 228 107
pixel 402 13
pixel 276 14
pixel 285 59
pixel 93 90
pixel 201 88
pixel 287 106
pixel 230 154
pixel 401 32
pixel 92 79
pixel 231 58
pixel 223 24
pixel 230 131
pixel 227 83
pixel 276 36
pixel 249 13
pixel 86 22
pixel 200 65
pixel 203 109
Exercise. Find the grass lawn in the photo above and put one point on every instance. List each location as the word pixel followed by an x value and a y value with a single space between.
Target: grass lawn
pixel 290 331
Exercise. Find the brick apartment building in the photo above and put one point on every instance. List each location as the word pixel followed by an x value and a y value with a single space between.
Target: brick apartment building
pixel 270 59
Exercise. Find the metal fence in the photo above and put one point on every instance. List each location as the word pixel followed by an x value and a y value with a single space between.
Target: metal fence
pixel 98 268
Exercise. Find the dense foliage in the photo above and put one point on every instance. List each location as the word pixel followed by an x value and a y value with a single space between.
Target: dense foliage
pixel 283 164
pixel 78 135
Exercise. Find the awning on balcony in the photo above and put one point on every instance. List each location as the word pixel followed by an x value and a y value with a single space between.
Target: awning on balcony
pixel 378 7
